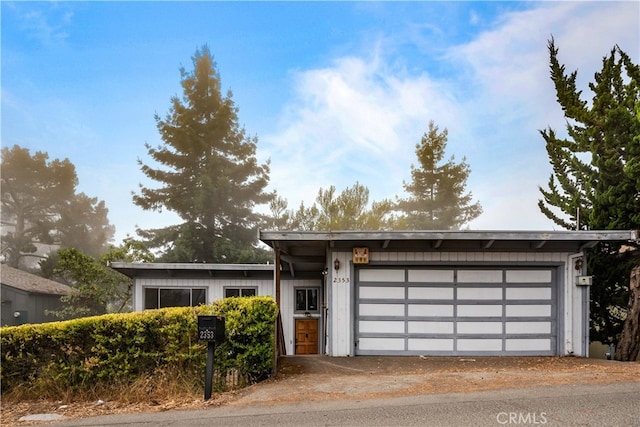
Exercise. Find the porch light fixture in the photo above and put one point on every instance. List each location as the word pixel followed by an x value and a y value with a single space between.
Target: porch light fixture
pixel 336 264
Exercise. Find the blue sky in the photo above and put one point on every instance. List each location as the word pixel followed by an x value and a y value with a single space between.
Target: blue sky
pixel 336 92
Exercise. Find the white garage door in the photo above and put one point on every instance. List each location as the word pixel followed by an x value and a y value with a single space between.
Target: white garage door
pixel 456 311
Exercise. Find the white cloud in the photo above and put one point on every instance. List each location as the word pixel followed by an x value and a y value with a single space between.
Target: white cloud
pixel 48 24
pixel 509 68
pixel 360 118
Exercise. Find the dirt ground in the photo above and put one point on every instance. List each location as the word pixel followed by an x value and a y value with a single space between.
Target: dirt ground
pixel 312 378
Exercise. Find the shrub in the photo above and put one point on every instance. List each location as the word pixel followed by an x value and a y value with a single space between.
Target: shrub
pixel 80 354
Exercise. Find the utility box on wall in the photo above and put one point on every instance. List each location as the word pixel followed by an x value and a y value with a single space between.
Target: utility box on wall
pixel 583 280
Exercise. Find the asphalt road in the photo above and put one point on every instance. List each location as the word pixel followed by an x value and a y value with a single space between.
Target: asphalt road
pixel 569 405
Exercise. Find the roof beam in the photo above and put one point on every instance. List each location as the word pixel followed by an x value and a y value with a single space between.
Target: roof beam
pixel 291 269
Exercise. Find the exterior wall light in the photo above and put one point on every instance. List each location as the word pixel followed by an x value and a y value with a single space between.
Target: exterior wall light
pixel 336 264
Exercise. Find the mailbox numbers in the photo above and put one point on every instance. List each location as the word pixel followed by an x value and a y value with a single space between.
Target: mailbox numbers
pixel 207 334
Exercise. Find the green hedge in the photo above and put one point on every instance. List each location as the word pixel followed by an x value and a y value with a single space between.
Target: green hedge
pixel 118 348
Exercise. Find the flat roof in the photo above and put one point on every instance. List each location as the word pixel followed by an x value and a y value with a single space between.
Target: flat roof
pixel 305 250
pixel 563 235
pixel 191 269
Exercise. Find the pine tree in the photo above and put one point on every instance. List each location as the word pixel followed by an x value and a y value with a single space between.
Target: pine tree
pixel 348 210
pixel 437 198
pixel 209 174
pixel 595 182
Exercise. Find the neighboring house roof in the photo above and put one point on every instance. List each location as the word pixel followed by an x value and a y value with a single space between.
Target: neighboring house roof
pixel 31 283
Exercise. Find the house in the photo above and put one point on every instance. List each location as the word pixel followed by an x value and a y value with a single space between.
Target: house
pixel 350 293
pixel 26 298
pixel 159 285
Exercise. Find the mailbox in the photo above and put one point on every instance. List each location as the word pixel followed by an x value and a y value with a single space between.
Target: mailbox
pixel 211 329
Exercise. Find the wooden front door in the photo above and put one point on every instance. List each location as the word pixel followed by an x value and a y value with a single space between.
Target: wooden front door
pixel 306 336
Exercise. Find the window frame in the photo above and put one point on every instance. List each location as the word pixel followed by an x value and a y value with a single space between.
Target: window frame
pixel 241 289
pixel 159 289
pixel 306 289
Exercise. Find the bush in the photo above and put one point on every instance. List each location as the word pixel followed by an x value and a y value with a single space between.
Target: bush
pixel 78 355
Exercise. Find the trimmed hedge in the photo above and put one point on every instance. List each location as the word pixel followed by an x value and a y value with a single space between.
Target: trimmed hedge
pixel 118 348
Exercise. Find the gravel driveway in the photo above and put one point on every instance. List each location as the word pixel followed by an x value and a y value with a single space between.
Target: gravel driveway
pixel 307 378
pixel 303 379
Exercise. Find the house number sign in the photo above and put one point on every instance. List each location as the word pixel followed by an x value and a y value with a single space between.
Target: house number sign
pixel 361 255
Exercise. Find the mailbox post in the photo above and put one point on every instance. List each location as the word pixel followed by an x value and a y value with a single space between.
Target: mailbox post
pixel 210 329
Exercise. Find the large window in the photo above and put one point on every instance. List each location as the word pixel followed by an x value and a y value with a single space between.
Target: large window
pixel 307 299
pixel 176 297
pixel 240 292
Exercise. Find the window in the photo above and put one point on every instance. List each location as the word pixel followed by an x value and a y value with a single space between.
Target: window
pixel 181 297
pixel 240 292
pixel 307 299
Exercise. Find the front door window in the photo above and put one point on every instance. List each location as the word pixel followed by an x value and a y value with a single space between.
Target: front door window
pixel 307 300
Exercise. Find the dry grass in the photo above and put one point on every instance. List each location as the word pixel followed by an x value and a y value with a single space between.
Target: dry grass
pixel 162 391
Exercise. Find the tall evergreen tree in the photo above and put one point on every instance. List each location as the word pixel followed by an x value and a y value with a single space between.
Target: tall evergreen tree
pixel 436 194
pixel 595 182
pixel 208 174
pixel 40 207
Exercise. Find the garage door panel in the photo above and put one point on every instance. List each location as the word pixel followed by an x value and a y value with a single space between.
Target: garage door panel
pixel 479 345
pixel 430 327
pixel 381 344
pixel 495 311
pixel 528 344
pixel 381 326
pixel 433 293
pixel 479 310
pixel 381 275
pixel 528 276
pixel 431 276
pixel 479 276
pixel 479 327
pixel 533 310
pixel 528 327
pixel 480 293
pixel 430 310
pixel 381 309
pixel 542 293
pixel 381 292
pixel 426 344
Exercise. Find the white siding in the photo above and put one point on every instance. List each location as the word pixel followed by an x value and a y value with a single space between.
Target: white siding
pixel 340 305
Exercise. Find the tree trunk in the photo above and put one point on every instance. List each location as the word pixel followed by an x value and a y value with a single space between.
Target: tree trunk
pixel 629 344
